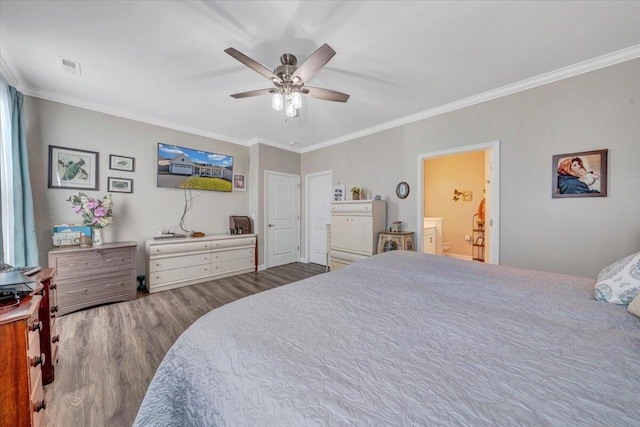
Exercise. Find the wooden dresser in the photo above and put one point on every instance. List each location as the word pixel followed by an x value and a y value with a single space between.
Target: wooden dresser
pixel 48 334
pixel 180 262
pixel 21 359
pixel 94 275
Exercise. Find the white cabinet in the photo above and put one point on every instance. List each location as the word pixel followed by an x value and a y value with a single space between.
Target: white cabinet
pixel 181 262
pixel 354 230
pixel 429 243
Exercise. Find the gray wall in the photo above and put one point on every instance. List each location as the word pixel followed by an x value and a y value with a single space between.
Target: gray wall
pixel 580 236
pixel 139 215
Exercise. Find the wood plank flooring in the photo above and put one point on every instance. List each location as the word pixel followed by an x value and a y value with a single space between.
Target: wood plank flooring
pixel 109 354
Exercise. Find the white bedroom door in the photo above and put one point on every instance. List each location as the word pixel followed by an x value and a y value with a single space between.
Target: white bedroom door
pixel 318 213
pixel 283 218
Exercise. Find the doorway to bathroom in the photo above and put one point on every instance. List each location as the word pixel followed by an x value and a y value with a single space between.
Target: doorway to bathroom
pixel 454 219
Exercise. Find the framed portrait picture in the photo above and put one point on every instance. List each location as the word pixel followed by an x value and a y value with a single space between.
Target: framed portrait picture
pixel 582 174
pixel 73 168
pixel 119 185
pixel 239 182
pixel 121 163
pixel 339 192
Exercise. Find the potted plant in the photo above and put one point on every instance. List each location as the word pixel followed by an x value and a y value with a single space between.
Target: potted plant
pixel 355 192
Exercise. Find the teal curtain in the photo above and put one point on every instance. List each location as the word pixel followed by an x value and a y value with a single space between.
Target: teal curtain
pixel 24 250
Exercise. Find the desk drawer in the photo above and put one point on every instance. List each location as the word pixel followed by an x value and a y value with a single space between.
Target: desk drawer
pixel 86 291
pixel 93 262
pixel 160 264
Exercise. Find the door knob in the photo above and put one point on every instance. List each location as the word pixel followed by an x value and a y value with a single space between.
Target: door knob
pixel 272 225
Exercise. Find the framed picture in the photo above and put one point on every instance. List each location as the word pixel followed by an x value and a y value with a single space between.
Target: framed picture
pixel 121 163
pixel 480 241
pixel 119 185
pixel 582 174
pixel 239 182
pixel 338 192
pixel 73 168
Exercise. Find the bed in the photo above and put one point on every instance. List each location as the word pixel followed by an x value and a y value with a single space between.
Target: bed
pixel 403 339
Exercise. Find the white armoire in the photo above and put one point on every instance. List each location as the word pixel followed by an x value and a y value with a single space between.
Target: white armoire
pixel 354 230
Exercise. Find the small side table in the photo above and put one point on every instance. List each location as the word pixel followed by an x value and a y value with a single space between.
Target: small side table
pixel 391 241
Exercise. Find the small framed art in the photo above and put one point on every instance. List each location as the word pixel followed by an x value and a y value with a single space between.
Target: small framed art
pixel 339 192
pixel 582 174
pixel 121 163
pixel 239 182
pixel 119 185
pixel 73 168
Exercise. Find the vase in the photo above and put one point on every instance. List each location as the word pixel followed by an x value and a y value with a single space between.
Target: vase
pixel 97 237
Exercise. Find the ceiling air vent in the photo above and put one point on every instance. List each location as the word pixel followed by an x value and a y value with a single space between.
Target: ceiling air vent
pixel 71 67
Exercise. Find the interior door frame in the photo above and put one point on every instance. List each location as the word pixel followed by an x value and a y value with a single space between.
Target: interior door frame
pixel 265 224
pixel 307 217
pixel 493 206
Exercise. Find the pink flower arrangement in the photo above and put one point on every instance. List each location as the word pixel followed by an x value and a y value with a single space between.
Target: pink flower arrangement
pixel 95 213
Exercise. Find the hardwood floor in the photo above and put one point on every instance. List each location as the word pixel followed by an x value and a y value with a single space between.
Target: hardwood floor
pixel 108 355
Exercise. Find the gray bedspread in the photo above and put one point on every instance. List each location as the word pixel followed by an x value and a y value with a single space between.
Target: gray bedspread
pixel 404 339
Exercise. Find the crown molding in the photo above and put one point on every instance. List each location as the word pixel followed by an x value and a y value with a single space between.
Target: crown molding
pixel 6 72
pixel 603 61
pixel 258 140
pixel 74 102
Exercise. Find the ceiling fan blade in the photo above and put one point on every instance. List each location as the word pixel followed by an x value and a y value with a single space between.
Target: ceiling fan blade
pixel 310 67
pixel 254 93
pixel 254 65
pixel 325 94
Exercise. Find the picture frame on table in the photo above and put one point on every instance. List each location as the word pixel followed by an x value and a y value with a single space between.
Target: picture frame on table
pixel 339 192
pixel 581 174
pixel 73 168
pixel 121 163
pixel 239 182
pixel 119 185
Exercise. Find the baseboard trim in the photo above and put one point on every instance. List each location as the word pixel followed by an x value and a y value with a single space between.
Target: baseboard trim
pixel 304 260
pixel 262 267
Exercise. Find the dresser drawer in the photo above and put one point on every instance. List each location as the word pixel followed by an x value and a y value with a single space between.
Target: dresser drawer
pixel 86 291
pixel 233 254
pixel 172 248
pixel 177 274
pixel 38 403
pixel 352 209
pixel 160 264
pixel 233 265
pixel 229 243
pixel 36 360
pixel 93 262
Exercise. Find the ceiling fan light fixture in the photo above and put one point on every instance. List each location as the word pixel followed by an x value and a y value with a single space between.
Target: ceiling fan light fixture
pixel 296 100
pixel 277 101
pixel 291 110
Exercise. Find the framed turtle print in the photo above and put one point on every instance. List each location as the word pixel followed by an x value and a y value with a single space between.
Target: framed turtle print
pixel 73 168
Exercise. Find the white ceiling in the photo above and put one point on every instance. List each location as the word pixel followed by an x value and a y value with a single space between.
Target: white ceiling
pixel 163 62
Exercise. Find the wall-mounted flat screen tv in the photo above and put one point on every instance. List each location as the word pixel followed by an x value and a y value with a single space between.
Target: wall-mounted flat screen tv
pixel 180 167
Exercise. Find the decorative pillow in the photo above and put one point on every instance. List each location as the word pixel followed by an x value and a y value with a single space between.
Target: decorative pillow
pixel 619 283
pixel 634 306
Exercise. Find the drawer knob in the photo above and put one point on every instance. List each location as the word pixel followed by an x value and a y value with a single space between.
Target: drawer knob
pixel 39 406
pixel 37 326
pixel 38 360
pixel 55 339
pixel 54 309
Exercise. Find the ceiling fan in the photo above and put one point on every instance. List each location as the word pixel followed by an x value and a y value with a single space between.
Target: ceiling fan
pixel 289 79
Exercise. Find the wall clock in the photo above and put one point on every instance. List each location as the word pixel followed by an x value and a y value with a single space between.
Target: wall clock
pixel 402 190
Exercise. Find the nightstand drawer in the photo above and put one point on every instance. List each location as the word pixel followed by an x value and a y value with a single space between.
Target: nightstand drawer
pixel 160 264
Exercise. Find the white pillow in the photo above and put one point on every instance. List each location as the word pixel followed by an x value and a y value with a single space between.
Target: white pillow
pixel 619 283
pixel 634 306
